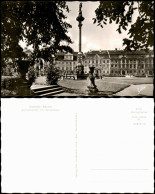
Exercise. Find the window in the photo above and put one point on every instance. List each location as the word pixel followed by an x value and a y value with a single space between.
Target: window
pixel 142 61
pixel 150 72
pixel 107 61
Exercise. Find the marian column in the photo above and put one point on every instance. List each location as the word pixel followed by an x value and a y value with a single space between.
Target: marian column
pixel 80 67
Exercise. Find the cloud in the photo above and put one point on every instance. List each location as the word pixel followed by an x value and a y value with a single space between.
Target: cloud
pixel 92 46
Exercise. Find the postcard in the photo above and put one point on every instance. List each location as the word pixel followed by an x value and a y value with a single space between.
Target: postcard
pixel 77 81
pixel 77 145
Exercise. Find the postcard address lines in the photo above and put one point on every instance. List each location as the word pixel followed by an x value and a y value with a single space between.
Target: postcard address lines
pixel 76 150
pixel 97 169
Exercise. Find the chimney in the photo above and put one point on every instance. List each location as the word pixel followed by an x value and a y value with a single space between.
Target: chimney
pixel 115 49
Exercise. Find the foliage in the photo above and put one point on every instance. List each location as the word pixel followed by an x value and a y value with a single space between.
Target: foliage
pixel 14 86
pixel 141 33
pixel 52 74
pixel 9 86
pixel 5 93
pixel 10 69
pixel 31 75
pixel 7 70
pixel 7 83
pixel 41 23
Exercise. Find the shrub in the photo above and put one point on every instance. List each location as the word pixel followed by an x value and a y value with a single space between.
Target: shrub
pixel 9 85
pixel 8 93
pixel 8 82
pixel 31 75
pixel 52 75
pixel 14 86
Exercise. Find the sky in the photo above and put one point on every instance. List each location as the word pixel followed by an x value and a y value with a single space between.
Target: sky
pixel 93 37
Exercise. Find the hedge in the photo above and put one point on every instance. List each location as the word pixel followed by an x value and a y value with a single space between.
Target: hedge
pixel 14 86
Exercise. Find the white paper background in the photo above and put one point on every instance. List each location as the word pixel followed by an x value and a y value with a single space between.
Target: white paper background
pixel 77 145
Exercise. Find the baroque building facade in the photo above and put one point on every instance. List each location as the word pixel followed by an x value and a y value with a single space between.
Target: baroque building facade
pixel 109 62
pixel 66 62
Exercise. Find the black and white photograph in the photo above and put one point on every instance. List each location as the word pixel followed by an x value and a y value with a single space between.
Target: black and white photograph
pixel 77 88
pixel 77 48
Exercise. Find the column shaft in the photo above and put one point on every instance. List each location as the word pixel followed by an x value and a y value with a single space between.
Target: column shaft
pixel 79 38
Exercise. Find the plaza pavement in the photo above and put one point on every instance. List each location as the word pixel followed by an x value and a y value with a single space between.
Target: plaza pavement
pixel 115 86
pixel 137 90
pixel 109 86
pixel 133 90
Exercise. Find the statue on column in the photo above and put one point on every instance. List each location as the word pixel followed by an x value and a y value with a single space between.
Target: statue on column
pixel 80 9
pixel 80 67
pixel 80 18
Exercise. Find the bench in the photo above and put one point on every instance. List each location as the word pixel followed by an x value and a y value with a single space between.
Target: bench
pixel 68 77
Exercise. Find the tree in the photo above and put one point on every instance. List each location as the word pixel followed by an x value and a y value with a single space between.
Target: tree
pixel 141 33
pixel 52 74
pixel 41 23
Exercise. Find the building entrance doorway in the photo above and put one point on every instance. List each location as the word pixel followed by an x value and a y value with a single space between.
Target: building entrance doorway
pixel 123 72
